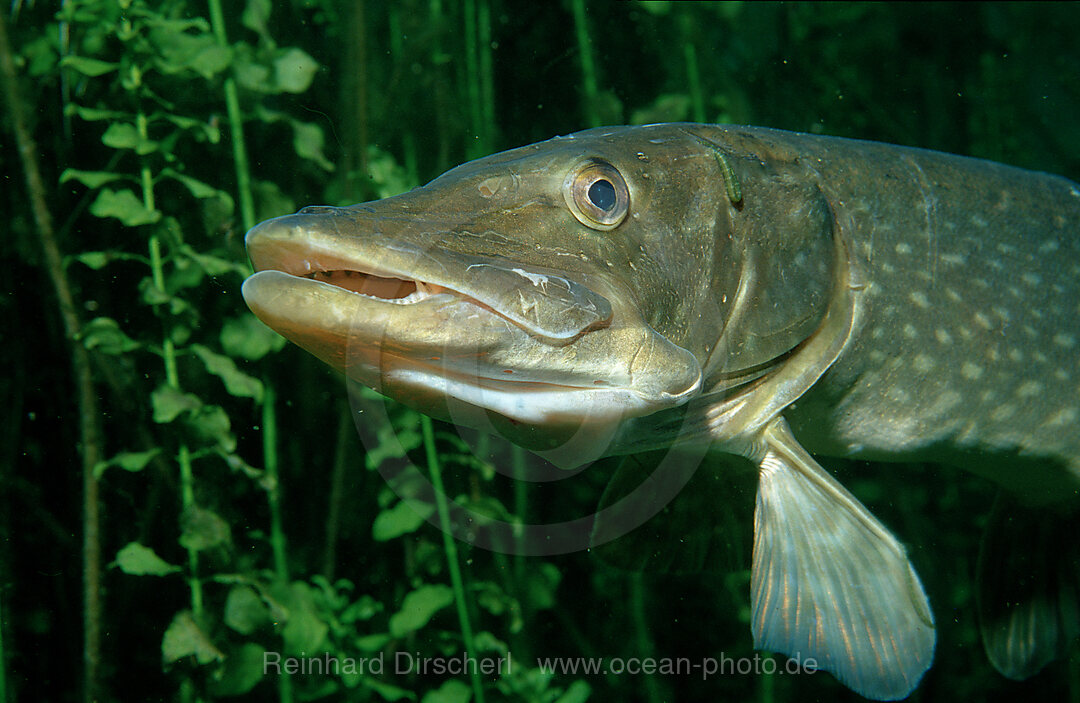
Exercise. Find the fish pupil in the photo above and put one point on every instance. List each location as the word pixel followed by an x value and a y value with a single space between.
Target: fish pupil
pixel 602 195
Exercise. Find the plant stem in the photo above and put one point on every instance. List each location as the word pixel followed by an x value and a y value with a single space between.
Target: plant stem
pixel 172 376
pixel 269 412
pixel 645 646
pixel 521 508
pixel 475 146
pixel 588 65
pixel 236 127
pixel 693 77
pixel 90 431
pixel 337 492
pixel 450 547
pixel 487 77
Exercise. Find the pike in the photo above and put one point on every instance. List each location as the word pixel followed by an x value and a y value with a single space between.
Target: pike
pixel 777 296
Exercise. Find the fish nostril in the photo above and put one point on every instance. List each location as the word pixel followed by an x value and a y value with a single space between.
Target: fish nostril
pixel 316 210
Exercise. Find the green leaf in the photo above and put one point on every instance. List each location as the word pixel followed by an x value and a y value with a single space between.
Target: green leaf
pixel 243 670
pixel 211 423
pixel 204 129
pixel 151 294
pixel 248 338
pixel 577 692
pixel 372 643
pixel 452 691
pixel 294 70
pixel 202 529
pixel 419 607
pixel 128 461
pixel 403 518
pixel 308 141
pixel 185 638
pixel 121 135
pixel 305 630
pixel 41 57
pixel 104 335
pixel 124 206
pixel 90 179
pixel 95 260
pixel 252 75
pixel 388 692
pixel 386 174
pixel 197 187
pixel 256 14
pixel 180 51
pixel 137 560
pixel 237 383
pixel 245 611
pixel 88 66
pixel 395 440
pixel 215 265
pixel 363 608
pixel 541 586
pixel 95 114
pixel 169 402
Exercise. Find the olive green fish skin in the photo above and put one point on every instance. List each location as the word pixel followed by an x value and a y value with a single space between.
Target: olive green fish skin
pixel 967 349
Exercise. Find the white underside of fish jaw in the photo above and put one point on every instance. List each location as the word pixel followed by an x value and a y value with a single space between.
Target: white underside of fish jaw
pixel 593 414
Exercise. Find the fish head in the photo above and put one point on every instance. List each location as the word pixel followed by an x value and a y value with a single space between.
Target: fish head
pixel 547 293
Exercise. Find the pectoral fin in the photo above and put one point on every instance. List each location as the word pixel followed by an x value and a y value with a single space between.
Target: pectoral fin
pixel 1029 587
pixel 829 582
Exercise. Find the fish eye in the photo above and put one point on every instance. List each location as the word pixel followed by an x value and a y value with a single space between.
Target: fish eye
pixel 597 194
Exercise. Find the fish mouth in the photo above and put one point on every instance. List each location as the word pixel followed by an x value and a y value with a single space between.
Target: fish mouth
pixel 547 305
pixel 436 328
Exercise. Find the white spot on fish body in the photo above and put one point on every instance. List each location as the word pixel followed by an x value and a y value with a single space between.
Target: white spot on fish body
pixel 1029 389
pixel 1002 412
pixel 910 332
pixel 978 221
pixel 983 321
pixel 954 259
pixel 1032 279
pixel 1067 341
pixel 903 248
pixel 920 299
pixel 1049 246
pixel 953 296
pixel 1065 416
pixel 1016 355
pixel 923 363
pixel 942 335
pixel 971 371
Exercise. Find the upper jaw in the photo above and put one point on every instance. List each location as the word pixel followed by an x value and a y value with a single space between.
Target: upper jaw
pixel 547 305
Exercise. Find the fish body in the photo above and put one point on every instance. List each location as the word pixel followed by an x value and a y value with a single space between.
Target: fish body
pixel 773 295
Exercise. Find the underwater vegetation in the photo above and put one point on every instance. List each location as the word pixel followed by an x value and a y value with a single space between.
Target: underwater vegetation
pixel 186 498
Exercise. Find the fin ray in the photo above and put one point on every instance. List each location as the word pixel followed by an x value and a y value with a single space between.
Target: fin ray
pixel 830 583
pixel 1029 587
